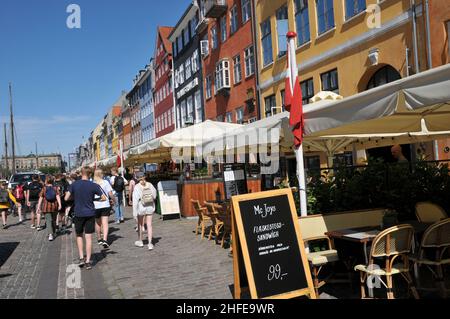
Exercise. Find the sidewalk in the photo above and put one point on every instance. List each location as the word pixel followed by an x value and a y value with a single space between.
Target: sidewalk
pixel 181 265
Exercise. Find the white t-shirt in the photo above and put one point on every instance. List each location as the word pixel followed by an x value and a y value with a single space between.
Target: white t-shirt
pixel 138 208
pixel 106 187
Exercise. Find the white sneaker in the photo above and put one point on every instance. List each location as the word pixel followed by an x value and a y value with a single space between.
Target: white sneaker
pixel 139 243
pixel 50 237
pixel 150 247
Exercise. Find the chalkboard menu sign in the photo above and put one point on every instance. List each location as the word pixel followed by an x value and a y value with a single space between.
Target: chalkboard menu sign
pixel 272 246
pixel 235 180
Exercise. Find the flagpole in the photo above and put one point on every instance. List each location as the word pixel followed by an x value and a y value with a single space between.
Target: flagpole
pixel 298 150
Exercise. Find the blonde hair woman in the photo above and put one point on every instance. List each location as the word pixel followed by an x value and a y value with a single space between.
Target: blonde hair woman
pixel 103 209
pixel 144 200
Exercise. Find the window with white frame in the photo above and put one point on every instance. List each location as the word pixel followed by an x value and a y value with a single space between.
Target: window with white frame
pixel 233 19
pixel 198 107
pixel 237 70
pixel 208 86
pixel 190 108
pixel 282 28
pixel 222 75
pixel 181 74
pixel 249 58
pixel 229 117
pixel 194 61
pixel 183 113
pixel 178 112
pixel 223 28
pixel 187 66
pixel 219 118
pixel 240 115
pixel 246 10
pixel 214 41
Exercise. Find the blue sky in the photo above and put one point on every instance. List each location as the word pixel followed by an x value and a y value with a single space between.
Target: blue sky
pixel 64 80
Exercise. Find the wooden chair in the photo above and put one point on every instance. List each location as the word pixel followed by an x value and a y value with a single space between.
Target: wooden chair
pixel 428 212
pixel 391 244
pixel 202 217
pixel 225 218
pixel 435 240
pixel 216 223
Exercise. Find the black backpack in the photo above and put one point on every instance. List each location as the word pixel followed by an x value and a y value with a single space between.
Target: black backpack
pixel 62 187
pixel 119 184
pixel 34 189
pixel 4 196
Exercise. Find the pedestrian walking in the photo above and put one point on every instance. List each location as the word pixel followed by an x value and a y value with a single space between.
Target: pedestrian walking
pixel 5 198
pixel 19 194
pixel 63 186
pixel 103 209
pixel 118 184
pixel 83 192
pixel 32 192
pixel 144 197
pixel 49 204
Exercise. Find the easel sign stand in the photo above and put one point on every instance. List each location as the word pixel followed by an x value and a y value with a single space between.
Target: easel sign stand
pixel 269 257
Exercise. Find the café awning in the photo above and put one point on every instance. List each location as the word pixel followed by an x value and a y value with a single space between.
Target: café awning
pixel 410 110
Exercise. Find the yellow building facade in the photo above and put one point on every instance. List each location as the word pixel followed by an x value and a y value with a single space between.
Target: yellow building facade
pixel 339 48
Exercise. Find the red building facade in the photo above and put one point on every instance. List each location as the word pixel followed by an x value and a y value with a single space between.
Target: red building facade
pixel 163 94
pixel 229 68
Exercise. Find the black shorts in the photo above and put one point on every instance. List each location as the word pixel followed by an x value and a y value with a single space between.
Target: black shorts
pixel 102 212
pixel 84 225
pixel 33 205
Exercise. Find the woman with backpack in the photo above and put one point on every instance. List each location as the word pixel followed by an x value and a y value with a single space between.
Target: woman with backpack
pixel 50 204
pixel 5 198
pixel 103 209
pixel 144 198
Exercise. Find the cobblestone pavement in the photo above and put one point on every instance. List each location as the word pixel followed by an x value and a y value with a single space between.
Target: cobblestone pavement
pixel 181 265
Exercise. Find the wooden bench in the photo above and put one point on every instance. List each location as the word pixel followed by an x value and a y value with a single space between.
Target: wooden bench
pixel 314 227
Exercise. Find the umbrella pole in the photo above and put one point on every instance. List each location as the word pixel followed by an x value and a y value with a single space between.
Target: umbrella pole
pixel 301 181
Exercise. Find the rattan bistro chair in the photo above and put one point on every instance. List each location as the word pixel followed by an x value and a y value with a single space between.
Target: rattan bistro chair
pixel 202 217
pixel 428 212
pixel 435 241
pixel 225 219
pixel 390 245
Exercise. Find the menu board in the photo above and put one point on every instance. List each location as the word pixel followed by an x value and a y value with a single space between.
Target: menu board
pixel 168 198
pixel 235 180
pixel 272 246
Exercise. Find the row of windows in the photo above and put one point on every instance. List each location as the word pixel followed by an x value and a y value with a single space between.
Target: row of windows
pixel 135 119
pixel 162 69
pixel 190 110
pixel 239 113
pixel 222 73
pixel 147 109
pixel 163 92
pixel 325 22
pixel 246 14
pixel 186 36
pixel 164 121
pixel 136 138
pixel 187 70
pixel 148 133
pixel 329 81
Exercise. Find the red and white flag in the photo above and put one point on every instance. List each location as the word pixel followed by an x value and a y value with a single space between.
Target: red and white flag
pixel 293 93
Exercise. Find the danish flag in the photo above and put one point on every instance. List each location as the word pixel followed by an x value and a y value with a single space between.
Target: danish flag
pixel 293 93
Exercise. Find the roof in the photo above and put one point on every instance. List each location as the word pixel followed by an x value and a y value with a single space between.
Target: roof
pixel 190 11
pixel 165 32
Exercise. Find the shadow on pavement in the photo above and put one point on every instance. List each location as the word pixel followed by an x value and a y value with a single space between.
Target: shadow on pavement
pixel 6 250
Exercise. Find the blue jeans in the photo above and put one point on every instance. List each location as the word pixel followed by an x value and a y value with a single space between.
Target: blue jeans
pixel 118 206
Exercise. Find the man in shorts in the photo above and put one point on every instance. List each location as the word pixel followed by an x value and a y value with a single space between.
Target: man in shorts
pixel 32 191
pixel 84 192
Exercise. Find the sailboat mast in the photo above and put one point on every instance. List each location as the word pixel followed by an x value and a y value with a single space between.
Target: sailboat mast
pixel 12 130
pixel 6 151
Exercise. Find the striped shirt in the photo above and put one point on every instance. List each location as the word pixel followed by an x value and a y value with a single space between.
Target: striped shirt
pixel 46 206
